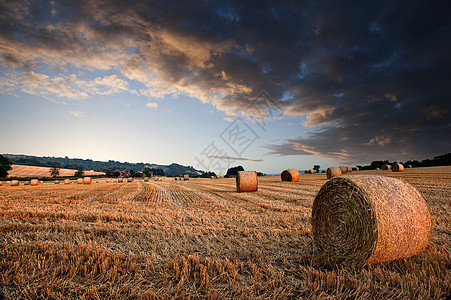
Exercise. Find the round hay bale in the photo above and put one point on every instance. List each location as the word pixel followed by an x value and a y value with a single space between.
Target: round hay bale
pixel 246 181
pixel 290 175
pixel 386 167
pixel 119 180
pixel 1 183
pixel 57 182
pixel 343 169
pixel 355 168
pixel 14 183
pixel 397 167
pixel 87 180
pixel 333 172
pixel 26 183
pixel 409 166
pixel 129 179
pixel 66 181
pixel 349 169
pixel 80 181
pixel 146 179
pixel 34 182
pixel 186 177
pixel 364 220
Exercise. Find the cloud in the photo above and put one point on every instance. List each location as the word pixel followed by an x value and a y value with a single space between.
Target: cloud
pixel 77 114
pixel 350 73
pixel 152 105
pixel 233 158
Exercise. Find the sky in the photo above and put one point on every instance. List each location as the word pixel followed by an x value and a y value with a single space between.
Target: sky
pixel 268 85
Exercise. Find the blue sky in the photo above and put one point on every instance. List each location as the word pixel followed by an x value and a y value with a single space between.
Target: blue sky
pixel 159 83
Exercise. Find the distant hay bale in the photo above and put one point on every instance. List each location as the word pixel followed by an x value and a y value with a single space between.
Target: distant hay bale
pixel 186 177
pixel 34 182
pixel 247 181
pixel 14 183
pixel 26 183
pixel 119 180
pixel 41 182
pixel 349 169
pixel 66 181
pixel 333 172
pixel 311 171
pixel 355 168
pixel 364 220
pixel 57 182
pixel 409 166
pixel 212 177
pixel 291 175
pixel 79 180
pixel 146 179
pixel 129 179
pixel 176 178
pixel 386 167
pixel 87 180
pixel 343 169
pixel 397 167
pixel 1 183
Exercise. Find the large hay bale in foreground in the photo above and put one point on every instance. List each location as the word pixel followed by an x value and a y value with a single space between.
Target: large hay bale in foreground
pixel 397 167
pixel 290 175
pixel 343 169
pixel 247 181
pixel 14 183
pixel 333 172
pixel 87 180
pixel 363 220
pixel 386 167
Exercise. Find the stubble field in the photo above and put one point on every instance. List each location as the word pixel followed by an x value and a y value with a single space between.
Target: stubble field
pixel 200 239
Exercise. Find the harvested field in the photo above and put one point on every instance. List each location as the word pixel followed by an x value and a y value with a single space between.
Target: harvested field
pixel 33 171
pixel 200 239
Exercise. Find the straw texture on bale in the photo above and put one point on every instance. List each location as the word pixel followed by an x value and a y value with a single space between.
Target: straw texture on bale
pixel 246 181
pixel 343 169
pixel 290 175
pixel 397 168
pixel 87 180
pixel 333 172
pixel 386 167
pixel 66 181
pixel 14 182
pixel 34 182
pixel 364 220
pixel 1 183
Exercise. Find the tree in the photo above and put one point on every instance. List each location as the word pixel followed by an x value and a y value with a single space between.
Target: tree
pixel 5 166
pixel 79 173
pixel 234 171
pixel 316 168
pixel 55 169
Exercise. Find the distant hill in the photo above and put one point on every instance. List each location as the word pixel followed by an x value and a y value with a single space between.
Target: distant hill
pixel 34 171
pixel 100 166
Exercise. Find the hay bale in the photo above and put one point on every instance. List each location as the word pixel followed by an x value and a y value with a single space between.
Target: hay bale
pixel 66 181
pixel 34 182
pixel 364 220
pixel 409 166
pixel 146 179
pixel 57 182
pixel 119 180
pixel 79 180
pixel 349 169
pixel 290 175
pixel 247 181
pixel 343 169
pixel 397 167
pixel 186 177
pixel 355 168
pixel 1 183
pixel 333 172
pixel 26 183
pixel 14 183
pixel 87 180
pixel 129 179
pixel 386 167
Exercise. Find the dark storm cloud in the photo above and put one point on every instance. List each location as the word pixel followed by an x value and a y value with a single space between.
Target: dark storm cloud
pixel 371 80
